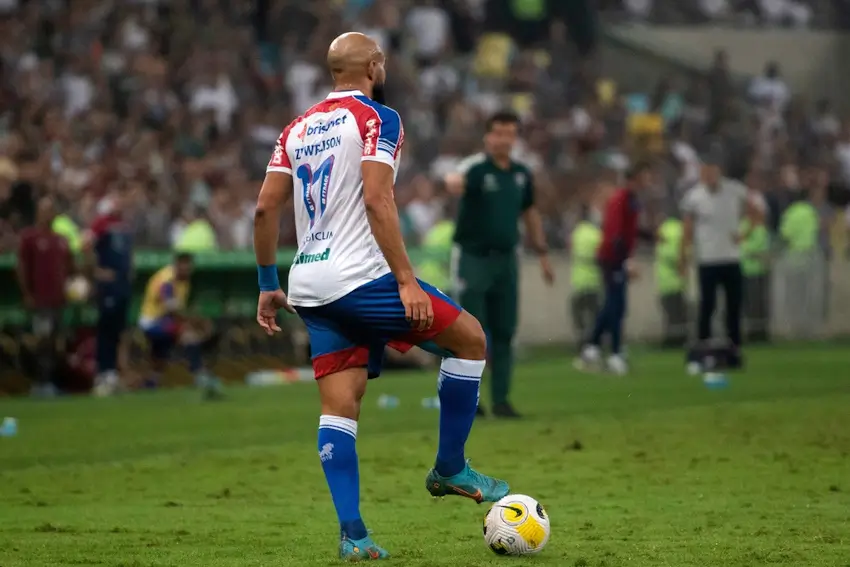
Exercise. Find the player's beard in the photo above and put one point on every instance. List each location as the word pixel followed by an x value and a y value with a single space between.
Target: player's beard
pixel 378 93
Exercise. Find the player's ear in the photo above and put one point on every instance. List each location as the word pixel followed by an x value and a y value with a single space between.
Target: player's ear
pixel 372 71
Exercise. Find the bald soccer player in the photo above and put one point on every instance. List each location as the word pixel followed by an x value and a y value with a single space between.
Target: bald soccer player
pixel 352 283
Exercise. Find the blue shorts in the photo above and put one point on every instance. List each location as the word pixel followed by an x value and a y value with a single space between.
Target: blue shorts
pixel 352 331
pixel 162 337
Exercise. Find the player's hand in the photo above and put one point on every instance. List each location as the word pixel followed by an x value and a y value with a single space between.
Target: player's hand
pixel 632 270
pixel 546 270
pixel 267 307
pixel 737 237
pixel 29 301
pixel 417 306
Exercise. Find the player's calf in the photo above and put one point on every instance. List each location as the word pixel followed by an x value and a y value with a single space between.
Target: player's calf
pixel 458 386
pixel 341 394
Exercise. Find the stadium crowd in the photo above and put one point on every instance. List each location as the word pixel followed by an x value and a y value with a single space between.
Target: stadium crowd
pixel 175 106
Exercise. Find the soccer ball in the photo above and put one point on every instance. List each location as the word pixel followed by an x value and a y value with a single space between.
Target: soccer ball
pixel 77 289
pixel 516 525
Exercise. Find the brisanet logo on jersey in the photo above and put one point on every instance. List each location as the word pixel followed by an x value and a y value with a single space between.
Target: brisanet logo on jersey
pixel 312 258
pixel 321 127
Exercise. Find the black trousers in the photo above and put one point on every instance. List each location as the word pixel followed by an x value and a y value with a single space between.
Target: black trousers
pixel 757 307
pixel 728 276
pixel 674 310
pixel 585 308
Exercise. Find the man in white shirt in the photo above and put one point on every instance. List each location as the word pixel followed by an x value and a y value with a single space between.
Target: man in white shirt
pixel 712 212
pixel 352 282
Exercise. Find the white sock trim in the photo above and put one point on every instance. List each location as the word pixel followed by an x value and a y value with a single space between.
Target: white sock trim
pixel 460 369
pixel 342 424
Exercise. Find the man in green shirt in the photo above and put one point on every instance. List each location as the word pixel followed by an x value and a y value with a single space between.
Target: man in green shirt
pixel 495 193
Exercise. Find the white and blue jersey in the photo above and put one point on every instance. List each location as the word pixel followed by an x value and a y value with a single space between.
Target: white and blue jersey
pixel 340 282
pixel 323 151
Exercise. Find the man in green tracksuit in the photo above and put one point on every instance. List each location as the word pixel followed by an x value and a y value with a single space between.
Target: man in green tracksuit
pixel 755 255
pixel 671 284
pixel 585 277
pixel 495 193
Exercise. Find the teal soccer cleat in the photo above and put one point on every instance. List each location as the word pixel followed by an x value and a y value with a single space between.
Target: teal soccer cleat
pixel 467 483
pixel 365 549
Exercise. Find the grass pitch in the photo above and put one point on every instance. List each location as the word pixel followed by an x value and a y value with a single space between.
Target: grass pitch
pixel 651 470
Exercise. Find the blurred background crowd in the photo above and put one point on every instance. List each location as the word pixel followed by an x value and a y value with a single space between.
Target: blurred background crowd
pixel 175 105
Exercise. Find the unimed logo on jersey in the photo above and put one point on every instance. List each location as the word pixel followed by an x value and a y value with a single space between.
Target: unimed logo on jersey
pixel 312 258
pixel 317 148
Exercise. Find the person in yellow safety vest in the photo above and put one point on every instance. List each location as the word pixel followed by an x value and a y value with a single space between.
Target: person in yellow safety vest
pixel 64 226
pixel 800 227
pixel 755 262
pixel 804 286
pixel 437 254
pixel 671 284
pixel 585 277
pixel 197 236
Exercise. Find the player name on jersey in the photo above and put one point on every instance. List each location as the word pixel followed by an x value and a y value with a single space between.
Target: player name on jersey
pixel 317 148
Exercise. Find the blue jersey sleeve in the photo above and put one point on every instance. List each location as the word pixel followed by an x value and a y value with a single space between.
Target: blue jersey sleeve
pixel 383 133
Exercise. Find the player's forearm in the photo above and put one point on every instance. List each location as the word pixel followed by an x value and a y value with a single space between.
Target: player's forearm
pixel 386 228
pixel 534 226
pixel 266 232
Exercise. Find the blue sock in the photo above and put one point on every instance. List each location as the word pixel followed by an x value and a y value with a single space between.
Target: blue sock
pixel 193 356
pixel 616 334
pixel 600 326
pixel 458 388
pixel 618 313
pixel 338 452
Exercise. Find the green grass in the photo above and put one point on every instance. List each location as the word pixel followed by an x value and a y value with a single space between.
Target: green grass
pixel 653 470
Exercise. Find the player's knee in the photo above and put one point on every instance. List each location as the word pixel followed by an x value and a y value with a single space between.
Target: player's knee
pixel 473 341
pixel 341 393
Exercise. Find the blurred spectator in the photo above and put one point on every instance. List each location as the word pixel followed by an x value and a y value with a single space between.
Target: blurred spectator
pixel 179 104
pixel 769 91
pixel 424 210
pixel 44 264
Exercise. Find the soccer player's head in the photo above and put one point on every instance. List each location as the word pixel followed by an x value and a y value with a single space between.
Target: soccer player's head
pixel 501 134
pixel 46 212
pixel 640 175
pixel 356 61
pixel 183 266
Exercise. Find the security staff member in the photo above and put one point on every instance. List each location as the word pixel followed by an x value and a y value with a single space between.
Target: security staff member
pixel 495 192
pixel 585 276
pixel 671 284
pixel 755 256
pixel 437 248
pixel 712 212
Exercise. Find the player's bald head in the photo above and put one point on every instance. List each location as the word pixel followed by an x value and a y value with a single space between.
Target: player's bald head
pixel 352 54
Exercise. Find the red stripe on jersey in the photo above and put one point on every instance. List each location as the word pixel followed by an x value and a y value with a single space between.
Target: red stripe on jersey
pixel 369 122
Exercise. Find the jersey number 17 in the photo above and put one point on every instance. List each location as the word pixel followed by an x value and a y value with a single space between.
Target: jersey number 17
pixel 310 178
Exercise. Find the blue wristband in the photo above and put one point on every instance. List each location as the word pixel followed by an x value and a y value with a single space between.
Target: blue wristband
pixel 267 278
